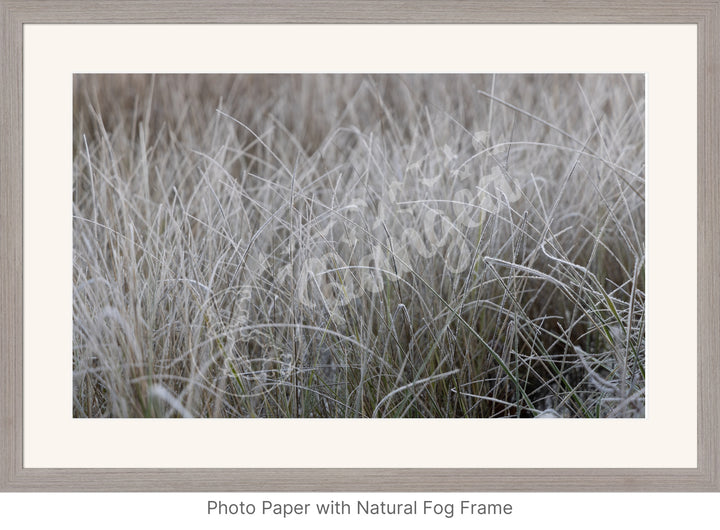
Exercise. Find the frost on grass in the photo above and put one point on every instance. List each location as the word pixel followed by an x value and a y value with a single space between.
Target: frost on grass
pixel 359 246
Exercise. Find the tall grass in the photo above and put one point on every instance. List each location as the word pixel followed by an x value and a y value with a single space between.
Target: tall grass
pixel 359 246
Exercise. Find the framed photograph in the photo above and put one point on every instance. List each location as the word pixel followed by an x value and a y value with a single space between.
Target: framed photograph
pixel 359 247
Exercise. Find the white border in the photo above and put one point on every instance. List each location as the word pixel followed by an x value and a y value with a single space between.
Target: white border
pixel 665 438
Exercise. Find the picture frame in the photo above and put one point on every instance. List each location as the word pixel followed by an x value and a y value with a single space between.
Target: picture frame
pixel 14 476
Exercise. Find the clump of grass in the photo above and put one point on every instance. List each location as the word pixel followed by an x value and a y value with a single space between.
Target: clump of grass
pixel 359 246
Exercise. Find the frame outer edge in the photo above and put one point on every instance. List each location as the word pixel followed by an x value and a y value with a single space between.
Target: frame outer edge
pixel 10 247
pixel 13 477
pixel 709 247
pixel 360 11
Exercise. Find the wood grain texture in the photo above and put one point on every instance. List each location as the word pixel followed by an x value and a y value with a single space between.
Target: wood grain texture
pixel 10 249
pixel 709 245
pixel 706 14
pixel 358 11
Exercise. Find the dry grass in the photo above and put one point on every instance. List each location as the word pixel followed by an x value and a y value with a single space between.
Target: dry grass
pixel 359 246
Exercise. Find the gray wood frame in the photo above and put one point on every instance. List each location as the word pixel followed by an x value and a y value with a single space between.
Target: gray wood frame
pixel 15 13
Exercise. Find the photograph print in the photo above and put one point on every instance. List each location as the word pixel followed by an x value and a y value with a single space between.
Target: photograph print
pixel 359 246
